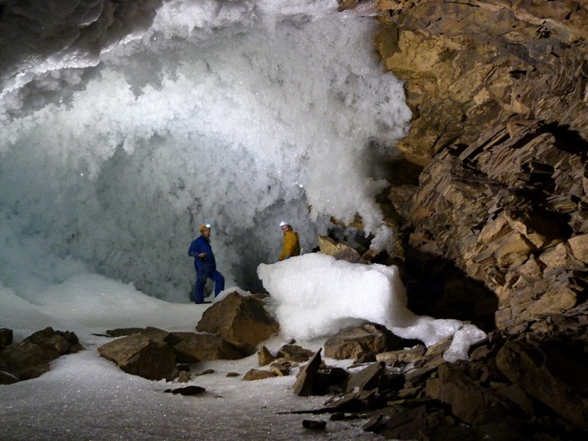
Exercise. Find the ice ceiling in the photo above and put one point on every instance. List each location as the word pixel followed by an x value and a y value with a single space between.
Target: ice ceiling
pixel 125 125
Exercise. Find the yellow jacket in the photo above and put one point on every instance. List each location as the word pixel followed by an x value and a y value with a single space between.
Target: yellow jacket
pixel 291 245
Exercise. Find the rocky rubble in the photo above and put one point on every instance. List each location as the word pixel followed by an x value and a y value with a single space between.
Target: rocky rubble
pixel 529 386
pixel 523 388
pixel 32 357
pixel 229 330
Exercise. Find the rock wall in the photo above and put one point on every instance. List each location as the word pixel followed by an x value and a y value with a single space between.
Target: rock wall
pixel 472 64
pixel 499 93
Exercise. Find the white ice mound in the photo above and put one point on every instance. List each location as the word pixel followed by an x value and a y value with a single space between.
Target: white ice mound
pixel 318 295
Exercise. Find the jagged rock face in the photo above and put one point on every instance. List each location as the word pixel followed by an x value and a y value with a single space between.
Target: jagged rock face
pixel 499 93
pixel 510 210
pixel 471 65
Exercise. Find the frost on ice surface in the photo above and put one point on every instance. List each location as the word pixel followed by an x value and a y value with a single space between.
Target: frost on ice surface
pixel 234 113
pixel 317 295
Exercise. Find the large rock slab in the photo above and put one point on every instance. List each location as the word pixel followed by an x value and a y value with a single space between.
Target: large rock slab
pixel 149 332
pixel 241 321
pixel 304 385
pixel 191 347
pixel 139 355
pixel 358 341
pixel 366 379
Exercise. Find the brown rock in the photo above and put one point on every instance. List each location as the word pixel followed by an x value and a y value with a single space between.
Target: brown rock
pixel 256 374
pixel 191 347
pixel 241 321
pixel 356 341
pixel 138 355
pixel 356 401
pixel 556 257
pixel 294 353
pixel 264 356
pixel 281 367
pixel 549 375
pixel 304 385
pixel 183 377
pixel 366 379
pixel 468 401
pixel 32 357
pixel 579 247
pixel 149 332
pixel 518 396
pixel 338 250
pixel 412 355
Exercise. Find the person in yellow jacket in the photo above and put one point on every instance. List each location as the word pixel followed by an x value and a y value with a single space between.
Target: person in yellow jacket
pixel 291 245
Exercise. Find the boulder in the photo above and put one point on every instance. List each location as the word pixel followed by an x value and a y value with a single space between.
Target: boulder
pixel 264 356
pixel 258 374
pixel 339 250
pixel 294 353
pixel 367 378
pixel 241 321
pixel 139 355
pixel 149 332
pixel 355 342
pixel 191 347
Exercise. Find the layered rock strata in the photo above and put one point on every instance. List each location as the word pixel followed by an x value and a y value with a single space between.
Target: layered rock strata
pixel 499 93
pixel 472 64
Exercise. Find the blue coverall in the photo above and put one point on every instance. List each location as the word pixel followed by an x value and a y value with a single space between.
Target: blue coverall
pixel 205 268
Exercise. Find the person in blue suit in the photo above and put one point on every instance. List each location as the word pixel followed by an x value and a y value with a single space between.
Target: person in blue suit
pixel 205 265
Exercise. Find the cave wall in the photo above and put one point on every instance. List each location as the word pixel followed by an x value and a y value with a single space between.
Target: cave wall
pixel 499 94
pixel 472 64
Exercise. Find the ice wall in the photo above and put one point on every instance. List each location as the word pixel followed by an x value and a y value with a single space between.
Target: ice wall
pixel 116 146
